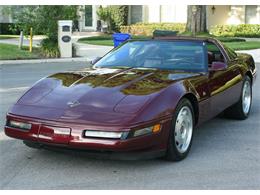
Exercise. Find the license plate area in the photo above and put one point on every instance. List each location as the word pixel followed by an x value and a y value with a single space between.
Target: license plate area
pixel 53 134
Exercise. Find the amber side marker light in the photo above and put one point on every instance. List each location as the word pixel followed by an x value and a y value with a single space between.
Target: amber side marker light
pixel 148 130
pixel 157 128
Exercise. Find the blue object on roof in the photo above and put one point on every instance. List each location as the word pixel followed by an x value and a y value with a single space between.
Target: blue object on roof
pixel 119 38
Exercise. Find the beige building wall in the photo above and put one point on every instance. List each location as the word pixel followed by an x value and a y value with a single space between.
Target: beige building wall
pixel 232 14
pixel 218 16
pixel 252 14
pixel 236 14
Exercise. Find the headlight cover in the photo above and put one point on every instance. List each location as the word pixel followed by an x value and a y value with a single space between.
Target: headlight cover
pixel 19 125
pixel 123 134
pixel 105 134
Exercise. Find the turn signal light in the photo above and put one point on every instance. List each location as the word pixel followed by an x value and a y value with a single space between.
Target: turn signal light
pixel 148 130
pixel 156 128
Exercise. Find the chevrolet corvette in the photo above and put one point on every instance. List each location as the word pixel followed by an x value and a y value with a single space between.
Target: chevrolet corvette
pixel 142 99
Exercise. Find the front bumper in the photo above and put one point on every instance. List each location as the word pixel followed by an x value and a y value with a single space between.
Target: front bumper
pixel 70 136
pixel 98 154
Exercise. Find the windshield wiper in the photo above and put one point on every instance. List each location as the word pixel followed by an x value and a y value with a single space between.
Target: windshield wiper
pixel 119 67
pixel 145 68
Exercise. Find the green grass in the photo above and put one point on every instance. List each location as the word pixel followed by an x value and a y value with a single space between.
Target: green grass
pixel 232 42
pixel 108 42
pixel 243 45
pixel 8 36
pixel 11 52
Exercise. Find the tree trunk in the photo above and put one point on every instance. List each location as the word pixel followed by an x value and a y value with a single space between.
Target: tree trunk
pixel 189 18
pixel 196 19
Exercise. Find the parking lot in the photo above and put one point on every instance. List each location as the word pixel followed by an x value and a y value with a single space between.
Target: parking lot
pixel 225 153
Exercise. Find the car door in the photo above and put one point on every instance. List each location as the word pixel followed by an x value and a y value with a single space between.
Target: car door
pixel 224 85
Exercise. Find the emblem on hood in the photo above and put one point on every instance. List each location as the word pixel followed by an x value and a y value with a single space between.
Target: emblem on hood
pixel 73 103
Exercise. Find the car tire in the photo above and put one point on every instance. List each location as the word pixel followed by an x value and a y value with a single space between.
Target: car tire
pixel 181 133
pixel 242 108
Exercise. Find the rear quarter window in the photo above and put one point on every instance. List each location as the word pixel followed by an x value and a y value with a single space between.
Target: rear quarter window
pixel 231 53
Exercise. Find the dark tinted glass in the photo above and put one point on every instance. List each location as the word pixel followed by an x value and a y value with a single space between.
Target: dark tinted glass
pixel 214 53
pixel 231 53
pixel 173 55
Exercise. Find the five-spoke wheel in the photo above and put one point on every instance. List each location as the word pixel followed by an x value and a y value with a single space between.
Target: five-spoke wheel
pixel 181 132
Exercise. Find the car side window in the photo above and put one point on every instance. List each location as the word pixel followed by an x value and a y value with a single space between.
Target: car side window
pixel 214 54
pixel 232 54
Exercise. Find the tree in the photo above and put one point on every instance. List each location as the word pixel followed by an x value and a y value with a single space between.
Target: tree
pixel 104 15
pixel 23 17
pixel 114 15
pixel 196 19
pixel 43 18
pixel 119 15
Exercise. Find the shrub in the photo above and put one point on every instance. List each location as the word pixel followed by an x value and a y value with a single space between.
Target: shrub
pixel 119 14
pixel 241 30
pixel 148 28
pixel 230 39
pixel 8 29
pixel 103 14
pixel 114 15
pixel 49 48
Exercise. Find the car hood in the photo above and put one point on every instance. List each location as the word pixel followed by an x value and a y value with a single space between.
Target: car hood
pixel 100 90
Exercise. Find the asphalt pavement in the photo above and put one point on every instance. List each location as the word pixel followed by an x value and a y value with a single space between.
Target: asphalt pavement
pixel 225 153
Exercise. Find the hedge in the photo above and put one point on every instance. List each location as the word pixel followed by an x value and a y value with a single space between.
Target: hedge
pixel 8 29
pixel 49 48
pixel 118 16
pixel 241 30
pixel 148 28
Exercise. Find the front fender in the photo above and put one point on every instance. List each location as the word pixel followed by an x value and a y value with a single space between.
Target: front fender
pixel 164 104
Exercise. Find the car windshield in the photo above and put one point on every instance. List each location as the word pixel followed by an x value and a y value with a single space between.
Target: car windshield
pixel 157 54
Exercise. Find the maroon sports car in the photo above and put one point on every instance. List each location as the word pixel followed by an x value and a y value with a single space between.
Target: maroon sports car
pixel 143 99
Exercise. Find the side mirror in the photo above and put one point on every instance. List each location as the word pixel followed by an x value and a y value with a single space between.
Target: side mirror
pixel 92 62
pixel 218 66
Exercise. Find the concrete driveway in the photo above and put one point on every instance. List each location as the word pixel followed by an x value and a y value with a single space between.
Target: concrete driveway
pixel 225 153
pixel 26 42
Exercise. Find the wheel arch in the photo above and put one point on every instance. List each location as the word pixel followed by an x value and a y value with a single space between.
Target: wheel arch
pixel 250 75
pixel 195 104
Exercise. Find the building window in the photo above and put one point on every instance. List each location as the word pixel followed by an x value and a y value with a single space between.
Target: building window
pixel 251 14
pixel 88 15
pixel 136 13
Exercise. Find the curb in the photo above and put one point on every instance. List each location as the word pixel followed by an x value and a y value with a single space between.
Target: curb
pixel 35 61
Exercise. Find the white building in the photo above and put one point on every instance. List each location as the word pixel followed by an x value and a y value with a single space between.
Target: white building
pixel 137 13
pixel 216 14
